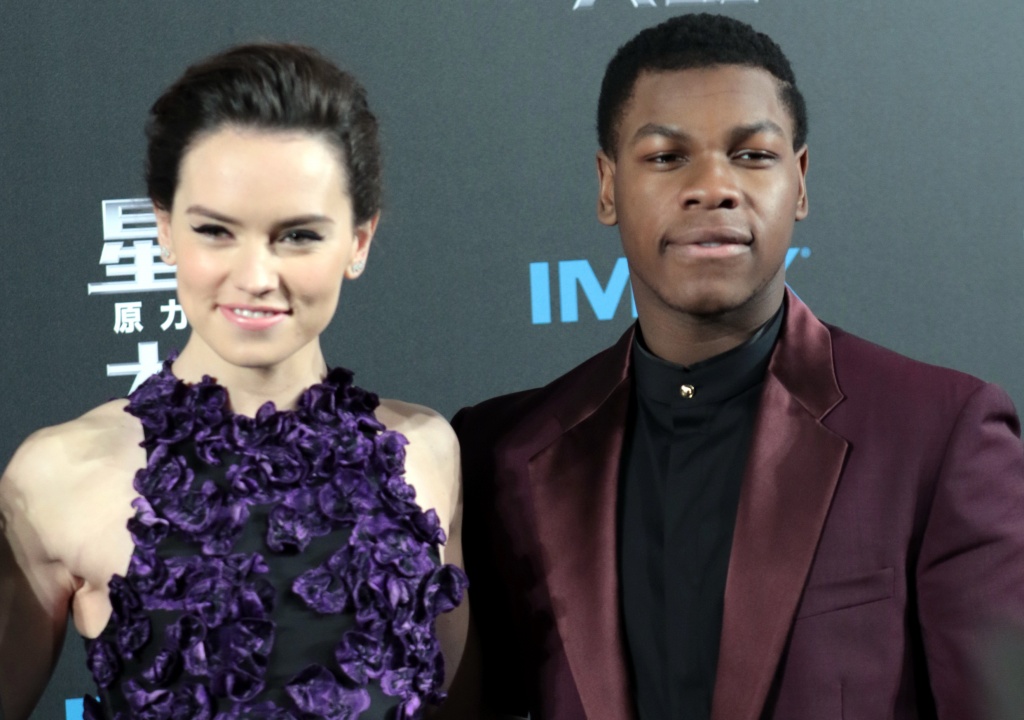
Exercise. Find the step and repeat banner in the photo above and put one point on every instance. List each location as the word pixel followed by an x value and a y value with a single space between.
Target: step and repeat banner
pixel 490 272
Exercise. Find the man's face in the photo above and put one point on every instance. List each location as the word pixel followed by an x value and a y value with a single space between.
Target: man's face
pixel 705 189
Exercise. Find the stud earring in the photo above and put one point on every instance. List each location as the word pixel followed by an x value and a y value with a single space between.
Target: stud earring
pixel 164 252
pixel 358 266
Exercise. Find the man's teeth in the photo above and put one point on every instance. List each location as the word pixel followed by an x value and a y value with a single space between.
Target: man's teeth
pixel 710 244
pixel 251 313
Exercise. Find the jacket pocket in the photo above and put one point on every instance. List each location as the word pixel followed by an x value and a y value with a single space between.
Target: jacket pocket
pixel 825 597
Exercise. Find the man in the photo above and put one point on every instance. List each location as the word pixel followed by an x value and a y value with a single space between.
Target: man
pixel 736 511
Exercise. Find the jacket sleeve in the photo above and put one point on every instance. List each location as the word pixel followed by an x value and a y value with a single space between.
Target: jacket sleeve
pixel 970 569
pixel 486 544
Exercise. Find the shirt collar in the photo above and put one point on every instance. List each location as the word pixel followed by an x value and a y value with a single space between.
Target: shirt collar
pixel 710 381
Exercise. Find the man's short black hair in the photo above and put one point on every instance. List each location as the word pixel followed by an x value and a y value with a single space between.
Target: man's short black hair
pixel 687 42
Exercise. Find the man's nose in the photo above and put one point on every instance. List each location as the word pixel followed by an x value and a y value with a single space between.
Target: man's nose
pixel 709 183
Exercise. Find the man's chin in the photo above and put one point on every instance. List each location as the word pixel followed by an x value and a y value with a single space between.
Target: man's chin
pixel 708 306
pixel 716 305
pixel 716 300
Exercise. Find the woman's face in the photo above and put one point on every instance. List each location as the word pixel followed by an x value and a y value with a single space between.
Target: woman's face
pixel 262 235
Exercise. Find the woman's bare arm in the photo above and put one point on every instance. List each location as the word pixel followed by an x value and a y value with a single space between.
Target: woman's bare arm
pixel 432 467
pixel 35 589
pixel 458 641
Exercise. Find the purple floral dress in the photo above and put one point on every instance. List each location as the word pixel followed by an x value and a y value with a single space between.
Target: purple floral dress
pixel 282 568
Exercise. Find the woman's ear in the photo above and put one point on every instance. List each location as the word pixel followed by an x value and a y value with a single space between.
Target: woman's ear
pixel 361 239
pixel 163 234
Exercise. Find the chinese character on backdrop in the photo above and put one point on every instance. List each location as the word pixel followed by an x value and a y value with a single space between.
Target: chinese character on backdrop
pixel 173 310
pixel 128 317
pixel 131 262
pixel 133 220
pixel 147 364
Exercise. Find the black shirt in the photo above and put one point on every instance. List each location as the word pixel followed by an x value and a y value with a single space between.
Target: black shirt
pixel 685 452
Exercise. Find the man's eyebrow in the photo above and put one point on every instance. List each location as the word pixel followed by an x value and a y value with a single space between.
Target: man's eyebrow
pixel 282 225
pixel 744 132
pixel 736 135
pixel 666 131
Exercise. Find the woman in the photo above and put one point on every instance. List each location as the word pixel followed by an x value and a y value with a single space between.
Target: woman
pixel 241 538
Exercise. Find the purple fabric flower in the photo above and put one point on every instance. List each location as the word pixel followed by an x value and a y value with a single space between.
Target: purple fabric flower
pixel 132 624
pixel 164 670
pixel 391 452
pixel 247 478
pixel 398 681
pixel 428 527
pixel 322 591
pixel 193 512
pixel 186 632
pixel 166 474
pixel 351 446
pixel 316 691
pixel 287 465
pixel 225 526
pixel 295 522
pixel 401 552
pixel 103 662
pixel 146 528
pixel 191 702
pixel 361 657
pixel 442 590
pixel 399 496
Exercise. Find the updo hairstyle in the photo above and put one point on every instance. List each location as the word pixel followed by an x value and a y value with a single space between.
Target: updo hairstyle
pixel 266 86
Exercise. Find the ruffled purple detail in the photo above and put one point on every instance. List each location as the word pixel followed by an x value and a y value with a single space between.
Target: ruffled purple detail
pixel 317 692
pixel 329 465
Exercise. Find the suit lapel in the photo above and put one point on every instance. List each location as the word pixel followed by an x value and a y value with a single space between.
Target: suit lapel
pixel 574 485
pixel 791 474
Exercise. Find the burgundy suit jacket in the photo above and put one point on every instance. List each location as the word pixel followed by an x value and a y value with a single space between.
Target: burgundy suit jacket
pixel 880 529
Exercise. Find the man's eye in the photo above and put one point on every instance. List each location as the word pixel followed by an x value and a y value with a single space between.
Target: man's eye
pixel 666 158
pixel 757 156
pixel 299 237
pixel 214 231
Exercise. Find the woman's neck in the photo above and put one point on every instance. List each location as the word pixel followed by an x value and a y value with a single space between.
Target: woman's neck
pixel 250 387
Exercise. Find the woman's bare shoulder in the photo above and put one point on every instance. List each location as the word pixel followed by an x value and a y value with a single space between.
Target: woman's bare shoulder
pixel 419 424
pixel 431 458
pixel 55 458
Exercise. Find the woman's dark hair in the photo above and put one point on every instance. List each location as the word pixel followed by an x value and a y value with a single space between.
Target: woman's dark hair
pixel 266 86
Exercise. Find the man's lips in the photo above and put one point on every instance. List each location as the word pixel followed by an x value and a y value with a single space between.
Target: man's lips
pixel 711 242
pixel 710 236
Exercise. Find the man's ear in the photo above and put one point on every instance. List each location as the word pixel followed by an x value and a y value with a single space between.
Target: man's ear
pixel 361 237
pixel 801 201
pixel 163 234
pixel 606 189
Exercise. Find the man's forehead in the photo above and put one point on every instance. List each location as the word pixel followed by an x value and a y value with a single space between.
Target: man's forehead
pixel 707 81
pixel 686 89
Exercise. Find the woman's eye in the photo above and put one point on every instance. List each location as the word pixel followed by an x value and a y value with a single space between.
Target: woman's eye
pixel 299 237
pixel 214 231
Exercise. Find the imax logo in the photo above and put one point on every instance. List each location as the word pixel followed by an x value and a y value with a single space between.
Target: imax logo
pixel 604 300
pixel 586 4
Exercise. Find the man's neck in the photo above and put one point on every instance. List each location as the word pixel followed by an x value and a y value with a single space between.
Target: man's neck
pixel 686 339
